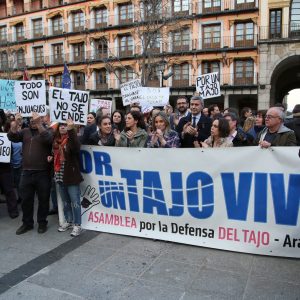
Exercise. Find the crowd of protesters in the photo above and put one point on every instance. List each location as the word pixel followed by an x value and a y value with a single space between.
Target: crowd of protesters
pixel 46 156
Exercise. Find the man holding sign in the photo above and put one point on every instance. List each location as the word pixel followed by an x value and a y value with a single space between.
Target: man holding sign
pixel 35 178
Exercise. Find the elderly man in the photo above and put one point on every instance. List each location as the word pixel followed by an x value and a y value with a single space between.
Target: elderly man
pixel 195 126
pixel 275 133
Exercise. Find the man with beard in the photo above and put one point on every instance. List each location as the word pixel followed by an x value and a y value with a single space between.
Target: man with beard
pixel 182 106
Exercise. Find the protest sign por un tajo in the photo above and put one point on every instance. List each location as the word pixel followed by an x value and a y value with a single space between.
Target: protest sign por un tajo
pixel 231 205
pixel 31 97
pixel 208 85
pixel 68 104
pixel 5 148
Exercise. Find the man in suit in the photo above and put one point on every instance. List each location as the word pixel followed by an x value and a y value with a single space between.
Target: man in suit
pixel 194 127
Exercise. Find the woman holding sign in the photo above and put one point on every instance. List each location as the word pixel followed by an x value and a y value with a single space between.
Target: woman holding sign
pixel 162 136
pixel 66 148
pixel 133 135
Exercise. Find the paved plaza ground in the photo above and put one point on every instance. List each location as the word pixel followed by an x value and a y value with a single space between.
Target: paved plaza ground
pixel 106 266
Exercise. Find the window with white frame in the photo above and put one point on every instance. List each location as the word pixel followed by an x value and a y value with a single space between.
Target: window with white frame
pixel 3 33
pixel 100 17
pixel 57 53
pixel 243 72
pixel 126 74
pixel 37 28
pixel 38 55
pixel 181 75
pixel 125 13
pixel 211 36
pixel 19 29
pixel 57 25
pixel 211 5
pixel 125 45
pixel 181 40
pixel 244 34
pixel 78 21
pixel 180 6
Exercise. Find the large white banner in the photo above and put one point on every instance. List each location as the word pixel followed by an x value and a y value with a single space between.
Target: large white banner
pixel 130 91
pixel 66 104
pixel 5 148
pixel 150 96
pixel 30 97
pixel 240 199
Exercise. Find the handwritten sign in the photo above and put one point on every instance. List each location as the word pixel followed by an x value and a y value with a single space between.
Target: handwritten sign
pixel 30 97
pixel 208 85
pixel 5 148
pixel 68 104
pixel 130 91
pixel 106 106
pixel 154 96
pixel 7 94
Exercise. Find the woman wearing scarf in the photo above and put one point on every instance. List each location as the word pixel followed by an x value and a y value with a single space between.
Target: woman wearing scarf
pixel 66 148
pixel 104 136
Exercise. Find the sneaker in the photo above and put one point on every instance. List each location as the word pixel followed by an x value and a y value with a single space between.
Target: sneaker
pixel 64 227
pixel 42 228
pixel 24 228
pixel 76 230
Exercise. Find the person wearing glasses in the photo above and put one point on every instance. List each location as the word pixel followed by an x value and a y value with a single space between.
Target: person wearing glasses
pixel 275 133
pixel 219 135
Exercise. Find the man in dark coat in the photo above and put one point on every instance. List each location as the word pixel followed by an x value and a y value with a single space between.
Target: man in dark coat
pixel 36 175
pixel 194 127
pixel 294 123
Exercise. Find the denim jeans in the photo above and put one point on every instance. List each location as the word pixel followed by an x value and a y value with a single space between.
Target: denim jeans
pixel 70 195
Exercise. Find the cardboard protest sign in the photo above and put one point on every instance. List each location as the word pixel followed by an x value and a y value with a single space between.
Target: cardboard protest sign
pixel 68 104
pixel 31 97
pixel 7 94
pixel 130 91
pixel 208 85
pixel 5 148
pixel 150 96
pixel 106 106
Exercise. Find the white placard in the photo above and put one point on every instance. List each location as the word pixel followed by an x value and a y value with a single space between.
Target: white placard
pixel 208 85
pixel 230 204
pixel 106 106
pixel 130 91
pixel 31 97
pixel 150 96
pixel 5 148
pixel 68 104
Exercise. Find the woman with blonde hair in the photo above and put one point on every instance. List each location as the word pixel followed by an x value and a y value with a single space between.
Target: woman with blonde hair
pixel 162 136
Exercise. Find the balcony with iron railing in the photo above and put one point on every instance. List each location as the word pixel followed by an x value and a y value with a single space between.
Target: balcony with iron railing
pixel 279 32
pixel 168 11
